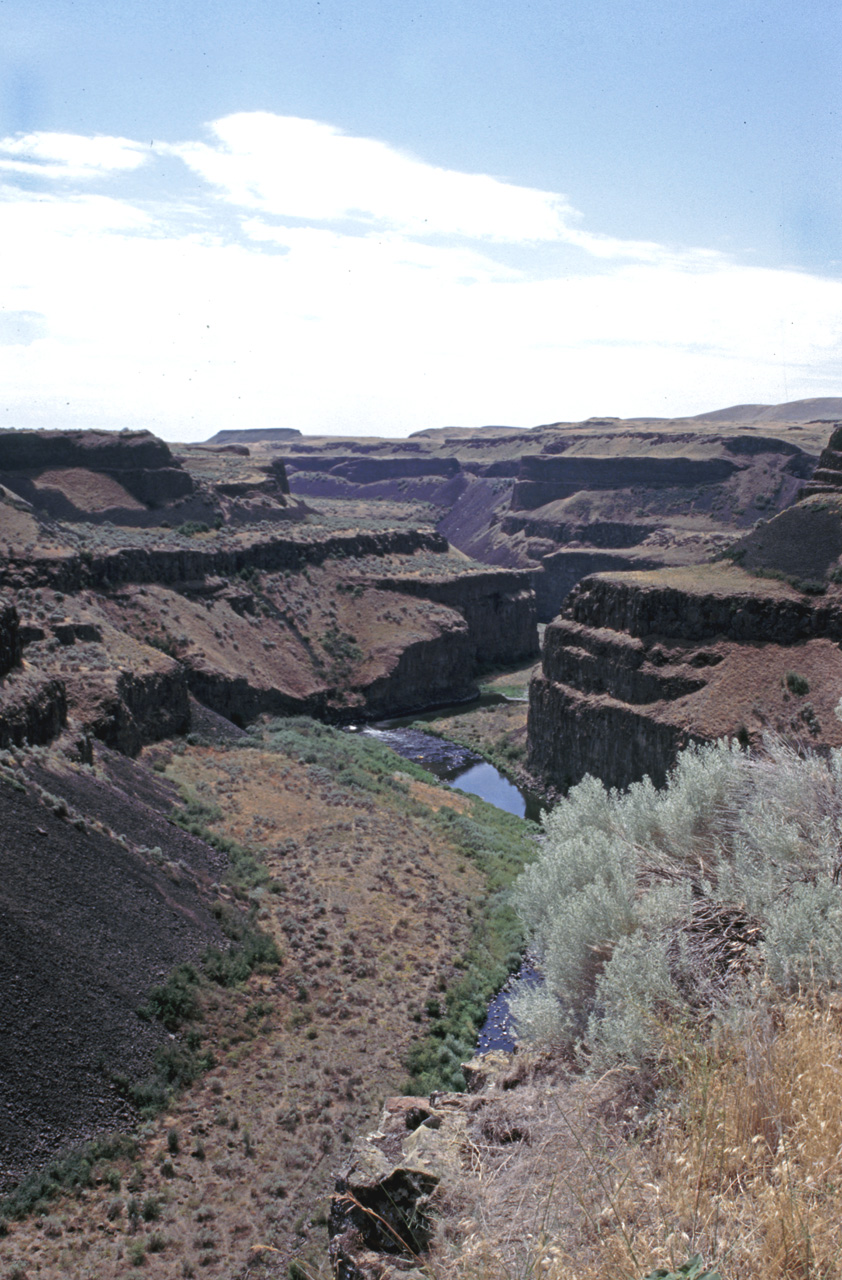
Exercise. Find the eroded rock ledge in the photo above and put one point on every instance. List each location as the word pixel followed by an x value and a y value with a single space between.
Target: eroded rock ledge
pixel 383 1213
pixel 640 665
pixel 335 625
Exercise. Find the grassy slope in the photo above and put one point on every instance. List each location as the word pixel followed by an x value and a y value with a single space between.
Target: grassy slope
pixel 384 893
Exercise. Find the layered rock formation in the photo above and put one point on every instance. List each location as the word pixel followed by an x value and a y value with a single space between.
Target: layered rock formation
pixel 640 664
pixel 33 708
pixel 120 628
pixel 569 499
pixel 130 478
pixel 827 478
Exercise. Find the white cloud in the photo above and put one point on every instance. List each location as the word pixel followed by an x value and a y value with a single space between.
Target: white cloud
pixel 303 169
pixel 69 155
pixel 196 312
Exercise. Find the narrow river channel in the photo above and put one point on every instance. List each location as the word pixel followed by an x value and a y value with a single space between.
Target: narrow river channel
pixel 464 769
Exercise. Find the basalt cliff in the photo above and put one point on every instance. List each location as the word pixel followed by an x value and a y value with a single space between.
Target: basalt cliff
pixel 640 664
pixel 230 920
pixel 568 499
pixel 114 625
pixel 153 606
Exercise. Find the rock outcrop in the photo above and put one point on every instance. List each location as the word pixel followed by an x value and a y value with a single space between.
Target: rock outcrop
pixel 648 492
pixel 403 1181
pixel 132 478
pixel 381 1217
pixel 827 478
pixel 333 625
pixel 542 480
pixel 92 474
pixel 33 708
pixel 640 665
pixel 10 643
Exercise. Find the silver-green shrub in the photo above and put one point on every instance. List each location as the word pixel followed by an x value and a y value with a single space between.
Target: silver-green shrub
pixel 647 904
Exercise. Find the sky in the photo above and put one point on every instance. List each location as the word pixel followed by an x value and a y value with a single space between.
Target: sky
pixel 374 218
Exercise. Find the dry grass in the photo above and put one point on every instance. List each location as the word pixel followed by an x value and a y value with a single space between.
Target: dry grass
pixel 369 903
pixel 741 1162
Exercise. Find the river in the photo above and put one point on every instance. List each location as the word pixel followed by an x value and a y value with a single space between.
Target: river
pixel 464 769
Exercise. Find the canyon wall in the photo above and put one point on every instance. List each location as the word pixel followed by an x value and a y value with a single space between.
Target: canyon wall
pixel 546 479
pixel 640 665
pixel 647 492
pixel 132 478
pixel 340 626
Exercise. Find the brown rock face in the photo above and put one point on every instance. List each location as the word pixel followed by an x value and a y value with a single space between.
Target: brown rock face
pixel 644 493
pixel 76 475
pixel 640 665
pixel 33 709
pixel 99 450
pixel 827 478
pixel 340 626
pixel 546 479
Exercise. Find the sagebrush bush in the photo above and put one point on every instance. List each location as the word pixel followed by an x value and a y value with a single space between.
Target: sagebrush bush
pixel 647 904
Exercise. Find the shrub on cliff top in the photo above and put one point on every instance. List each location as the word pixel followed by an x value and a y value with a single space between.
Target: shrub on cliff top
pixel 650 905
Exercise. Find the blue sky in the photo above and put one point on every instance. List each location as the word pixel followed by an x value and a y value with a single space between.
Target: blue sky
pixel 375 218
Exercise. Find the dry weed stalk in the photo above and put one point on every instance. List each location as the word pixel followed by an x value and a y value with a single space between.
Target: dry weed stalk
pixel 742 1163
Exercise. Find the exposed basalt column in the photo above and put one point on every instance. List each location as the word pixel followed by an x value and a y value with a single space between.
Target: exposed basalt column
pixel 146 707
pixel 572 734
pixel 610 662
pixel 32 709
pixel 179 565
pixel 543 479
pixel 631 671
pixel 499 607
pixel 827 478
pixel 560 571
pixel 432 671
pixel 665 610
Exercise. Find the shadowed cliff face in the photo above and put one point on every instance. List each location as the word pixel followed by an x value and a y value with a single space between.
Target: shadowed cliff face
pixel 132 478
pixel 571 499
pixel 117 626
pixel 639 665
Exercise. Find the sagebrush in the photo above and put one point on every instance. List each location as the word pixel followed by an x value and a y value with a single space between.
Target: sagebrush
pixel 675 904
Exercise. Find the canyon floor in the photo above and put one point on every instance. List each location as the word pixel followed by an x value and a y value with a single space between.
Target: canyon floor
pixel 373 884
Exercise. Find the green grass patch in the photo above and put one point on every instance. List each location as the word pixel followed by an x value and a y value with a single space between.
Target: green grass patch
pixel 245 870
pixel 501 845
pixel 70 1171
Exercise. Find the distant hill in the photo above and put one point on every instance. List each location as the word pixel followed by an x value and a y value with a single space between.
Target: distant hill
pixel 255 434
pixel 793 411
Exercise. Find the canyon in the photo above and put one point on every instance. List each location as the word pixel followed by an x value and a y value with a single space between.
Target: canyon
pixel 567 499
pixel 185 633
pixel 639 665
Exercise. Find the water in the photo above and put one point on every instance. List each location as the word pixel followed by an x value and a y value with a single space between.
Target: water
pixel 462 768
pixel 499 1030
pixel 459 767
